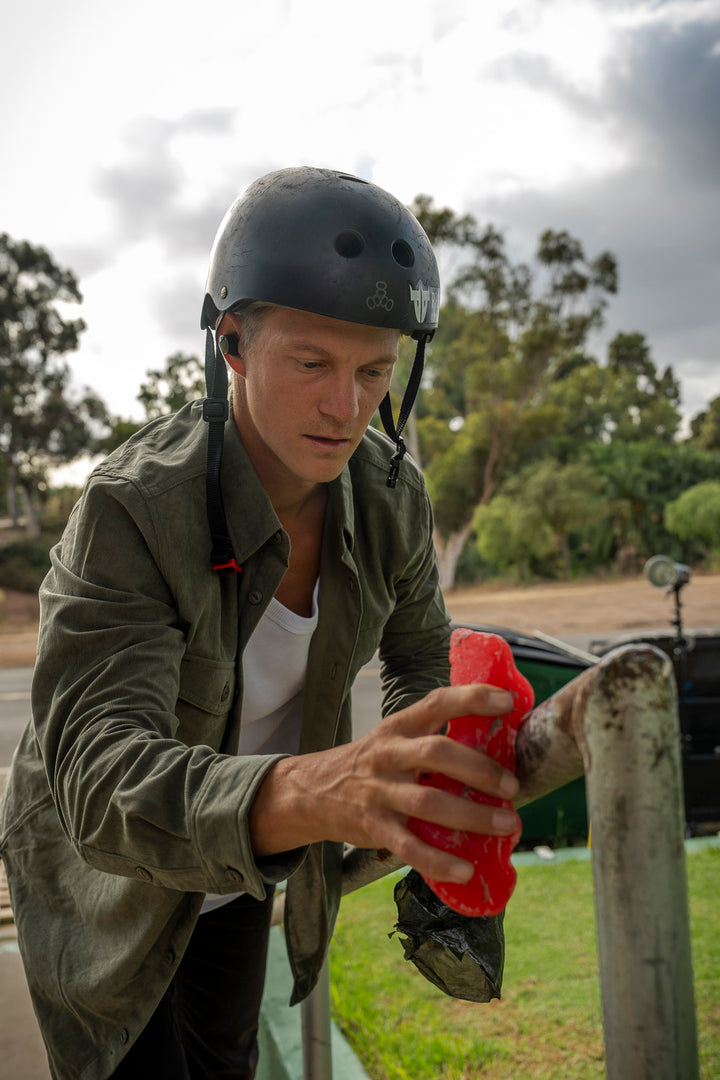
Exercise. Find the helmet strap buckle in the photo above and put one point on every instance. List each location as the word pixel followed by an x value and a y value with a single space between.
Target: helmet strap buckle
pixel 386 415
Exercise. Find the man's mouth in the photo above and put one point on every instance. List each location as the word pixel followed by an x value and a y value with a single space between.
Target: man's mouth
pixel 328 442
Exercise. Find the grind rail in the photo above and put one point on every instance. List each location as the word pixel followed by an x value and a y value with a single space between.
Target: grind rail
pixel 618 723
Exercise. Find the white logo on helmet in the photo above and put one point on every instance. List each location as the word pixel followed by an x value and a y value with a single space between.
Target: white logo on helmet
pixel 380 297
pixel 421 296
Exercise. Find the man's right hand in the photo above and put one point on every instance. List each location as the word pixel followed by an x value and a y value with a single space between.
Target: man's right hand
pixel 363 793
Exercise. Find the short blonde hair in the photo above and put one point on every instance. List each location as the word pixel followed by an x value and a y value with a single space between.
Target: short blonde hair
pixel 248 321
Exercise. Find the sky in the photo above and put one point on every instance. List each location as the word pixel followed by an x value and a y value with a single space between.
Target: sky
pixel 128 129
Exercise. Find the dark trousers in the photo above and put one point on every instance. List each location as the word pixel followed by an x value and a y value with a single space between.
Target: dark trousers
pixel 205 1027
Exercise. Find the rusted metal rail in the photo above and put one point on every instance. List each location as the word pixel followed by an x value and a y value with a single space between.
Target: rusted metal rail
pixel 618 723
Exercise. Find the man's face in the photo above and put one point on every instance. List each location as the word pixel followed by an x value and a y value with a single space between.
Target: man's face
pixel 304 393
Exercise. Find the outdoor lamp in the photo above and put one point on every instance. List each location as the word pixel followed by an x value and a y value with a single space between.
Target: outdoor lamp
pixel 664 573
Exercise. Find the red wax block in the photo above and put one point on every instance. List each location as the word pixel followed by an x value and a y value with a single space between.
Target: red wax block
pixel 477 657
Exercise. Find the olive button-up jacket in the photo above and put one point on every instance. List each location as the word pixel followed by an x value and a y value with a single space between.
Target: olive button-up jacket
pixel 126 801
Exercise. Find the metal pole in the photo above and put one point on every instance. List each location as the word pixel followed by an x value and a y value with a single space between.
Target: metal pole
pixel 635 803
pixel 315 1020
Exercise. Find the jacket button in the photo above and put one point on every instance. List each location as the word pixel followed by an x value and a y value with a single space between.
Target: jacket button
pixel 225 692
pixel 170 956
pixel 234 875
pixel 124 1035
pixel 255 596
pixel 278 537
pixel 143 874
pixel 351 583
pixel 333 673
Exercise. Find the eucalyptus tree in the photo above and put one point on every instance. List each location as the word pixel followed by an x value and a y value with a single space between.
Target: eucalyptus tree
pixel 43 421
pixel 508 333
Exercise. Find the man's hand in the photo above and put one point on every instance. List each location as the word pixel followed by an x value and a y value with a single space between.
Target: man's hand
pixel 363 793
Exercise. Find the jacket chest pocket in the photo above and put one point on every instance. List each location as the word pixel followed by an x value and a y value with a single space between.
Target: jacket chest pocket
pixel 205 697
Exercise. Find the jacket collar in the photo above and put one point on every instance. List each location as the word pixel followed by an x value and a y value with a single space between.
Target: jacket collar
pixel 341 495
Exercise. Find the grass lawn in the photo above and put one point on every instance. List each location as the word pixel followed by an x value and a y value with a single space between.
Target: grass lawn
pixel 549 1021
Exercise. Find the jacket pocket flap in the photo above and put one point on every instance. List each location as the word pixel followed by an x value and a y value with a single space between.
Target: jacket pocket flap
pixel 207 684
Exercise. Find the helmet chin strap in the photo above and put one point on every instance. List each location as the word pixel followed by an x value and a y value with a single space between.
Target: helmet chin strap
pixel 386 415
pixel 216 412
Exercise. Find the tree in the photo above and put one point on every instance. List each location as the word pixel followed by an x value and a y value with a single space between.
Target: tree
pixel 649 401
pixel 563 499
pixel 639 479
pixel 42 422
pixel 695 515
pixel 442 225
pixel 510 332
pixel 166 390
pixel 625 400
pixel 705 427
pixel 509 533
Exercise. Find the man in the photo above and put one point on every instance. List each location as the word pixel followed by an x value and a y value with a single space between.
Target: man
pixel 218 587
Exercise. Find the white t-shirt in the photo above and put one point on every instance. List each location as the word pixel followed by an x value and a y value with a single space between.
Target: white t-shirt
pixel 274 664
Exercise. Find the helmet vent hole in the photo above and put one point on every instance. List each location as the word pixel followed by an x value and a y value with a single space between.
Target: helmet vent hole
pixel 403 253
pixel 349 244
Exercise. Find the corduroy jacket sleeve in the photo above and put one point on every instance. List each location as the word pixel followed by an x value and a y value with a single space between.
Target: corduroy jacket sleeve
pixel 128 723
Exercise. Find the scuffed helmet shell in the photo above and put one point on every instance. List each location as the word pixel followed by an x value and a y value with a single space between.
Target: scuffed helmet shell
pixel 327 242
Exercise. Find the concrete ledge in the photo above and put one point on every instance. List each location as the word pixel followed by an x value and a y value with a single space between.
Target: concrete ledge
pixel 280 1035
pixel 545 856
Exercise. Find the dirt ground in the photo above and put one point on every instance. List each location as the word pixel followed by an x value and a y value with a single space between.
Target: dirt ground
pixel 589 607
pixel 18 628
pixel 558 609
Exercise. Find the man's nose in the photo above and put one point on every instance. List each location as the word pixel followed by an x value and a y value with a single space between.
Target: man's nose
pixel 340 399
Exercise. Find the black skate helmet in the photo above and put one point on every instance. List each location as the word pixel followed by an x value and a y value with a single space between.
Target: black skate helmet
pixel 326 242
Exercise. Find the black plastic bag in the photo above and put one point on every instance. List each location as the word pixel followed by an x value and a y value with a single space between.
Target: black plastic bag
pixel 463 956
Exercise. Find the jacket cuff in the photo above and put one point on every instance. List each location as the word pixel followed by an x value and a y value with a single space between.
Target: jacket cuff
pixel 224 839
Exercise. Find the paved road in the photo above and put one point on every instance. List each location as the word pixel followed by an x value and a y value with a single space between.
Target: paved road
pixel 22 1055
pixel 14 708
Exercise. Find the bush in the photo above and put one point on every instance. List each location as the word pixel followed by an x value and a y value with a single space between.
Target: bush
pixel 24 564
pixel 695 515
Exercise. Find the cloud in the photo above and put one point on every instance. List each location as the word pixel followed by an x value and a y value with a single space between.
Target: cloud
pixel 176 308
pixel 542 74
pixel 142 189
pixel 666 88
pixel 668 261
pixel 658 210
pixel 168 190
pixel 599 116
pixel 145 187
